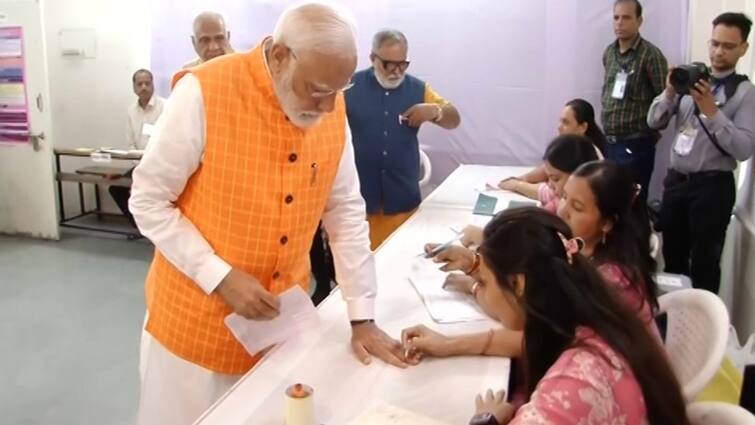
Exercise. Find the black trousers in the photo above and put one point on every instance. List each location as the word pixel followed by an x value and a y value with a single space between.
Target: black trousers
pixel 694 217
pixel 321 261
pixel 638 155
pixel 120 195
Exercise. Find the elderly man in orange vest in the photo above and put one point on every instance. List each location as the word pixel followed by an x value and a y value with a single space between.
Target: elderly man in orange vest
pixel 251 151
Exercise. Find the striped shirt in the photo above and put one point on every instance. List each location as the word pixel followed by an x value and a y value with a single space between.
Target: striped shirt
pixel 647 69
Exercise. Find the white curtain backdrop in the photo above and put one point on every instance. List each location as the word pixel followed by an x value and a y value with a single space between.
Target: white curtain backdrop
pixel 508 65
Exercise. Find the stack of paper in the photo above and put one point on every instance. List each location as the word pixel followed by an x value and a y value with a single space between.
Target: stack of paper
pixel 444 306
pixel 297 314
pixel 391 415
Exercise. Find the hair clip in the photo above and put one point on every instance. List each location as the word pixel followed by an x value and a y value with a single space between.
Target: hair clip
pixel 572 246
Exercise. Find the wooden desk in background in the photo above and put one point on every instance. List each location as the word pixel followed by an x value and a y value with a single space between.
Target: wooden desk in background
pixel 96 175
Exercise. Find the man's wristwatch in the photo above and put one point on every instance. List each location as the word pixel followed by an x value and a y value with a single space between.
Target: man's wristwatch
pixel 484 419
pixel 360 322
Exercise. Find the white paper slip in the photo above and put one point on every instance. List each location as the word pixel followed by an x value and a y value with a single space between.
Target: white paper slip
pixel 148 129
pixel 384 414
pixel 444 306
pixel 297 314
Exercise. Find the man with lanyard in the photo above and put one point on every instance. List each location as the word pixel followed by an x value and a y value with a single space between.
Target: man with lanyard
pixel 635 73
pixel 714 129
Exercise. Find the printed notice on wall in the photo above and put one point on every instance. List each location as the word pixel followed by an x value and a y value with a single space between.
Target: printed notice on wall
pixel 14 111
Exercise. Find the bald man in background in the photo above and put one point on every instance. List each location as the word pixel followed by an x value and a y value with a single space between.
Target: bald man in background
pixel 211 38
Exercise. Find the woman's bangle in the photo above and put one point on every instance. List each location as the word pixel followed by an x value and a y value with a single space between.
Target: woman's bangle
pixel 488 341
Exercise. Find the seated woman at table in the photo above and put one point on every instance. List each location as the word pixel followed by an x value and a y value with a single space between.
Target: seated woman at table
pixel 562 156
pixel 587 356
pixel 599 207
pixel 577 117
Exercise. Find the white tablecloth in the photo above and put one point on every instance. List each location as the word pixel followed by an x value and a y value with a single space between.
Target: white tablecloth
pixel 443 389
pixel 461 188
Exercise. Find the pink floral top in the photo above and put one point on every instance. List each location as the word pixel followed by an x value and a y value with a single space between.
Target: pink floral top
pixel 588 384
pixel 547 197
pixel 635 298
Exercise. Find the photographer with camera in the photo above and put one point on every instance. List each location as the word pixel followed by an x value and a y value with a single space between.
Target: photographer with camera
pixel 715 128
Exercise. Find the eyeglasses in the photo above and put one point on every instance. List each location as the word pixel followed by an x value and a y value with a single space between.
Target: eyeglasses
pixel 321 93
pixel 390 66
pixel 727 47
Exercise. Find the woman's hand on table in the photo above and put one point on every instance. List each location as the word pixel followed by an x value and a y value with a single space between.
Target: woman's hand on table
pixel 509 184
pixel 419 341
pixel 455 257
pixel 459 282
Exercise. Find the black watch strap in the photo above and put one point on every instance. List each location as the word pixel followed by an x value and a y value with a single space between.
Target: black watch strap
pixel 484 419
pixel 361 322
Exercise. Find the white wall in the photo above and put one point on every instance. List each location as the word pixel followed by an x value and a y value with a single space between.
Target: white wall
pixel 89 97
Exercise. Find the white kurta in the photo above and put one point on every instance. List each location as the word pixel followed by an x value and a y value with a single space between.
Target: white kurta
pixel 141 122
pixel 173 390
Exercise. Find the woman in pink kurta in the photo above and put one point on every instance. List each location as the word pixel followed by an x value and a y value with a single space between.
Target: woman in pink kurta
pixel 633 294
pixel 562 156
pixel 587 356
pixel 599 204
pixel 588 384
pixel 548 198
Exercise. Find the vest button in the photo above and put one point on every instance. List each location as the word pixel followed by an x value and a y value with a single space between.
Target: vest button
pixel 292 157
pixel 289 199
pixel 276 275
pixel 284 240
pixel 385 133
pixel 385 153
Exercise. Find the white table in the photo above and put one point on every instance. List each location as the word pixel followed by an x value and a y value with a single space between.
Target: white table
pixel 443 389
pixel 461 188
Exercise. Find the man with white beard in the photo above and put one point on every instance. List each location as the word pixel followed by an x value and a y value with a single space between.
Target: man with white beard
pixel 252 150
pixel 386 108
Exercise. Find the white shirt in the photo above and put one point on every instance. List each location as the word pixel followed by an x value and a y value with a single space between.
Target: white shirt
pixel 141 122
pixel 174 154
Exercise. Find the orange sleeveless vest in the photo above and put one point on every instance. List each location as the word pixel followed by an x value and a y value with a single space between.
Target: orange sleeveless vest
pixel 256 198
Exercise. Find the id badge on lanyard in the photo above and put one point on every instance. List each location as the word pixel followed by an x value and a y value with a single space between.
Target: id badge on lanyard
pixel 620 84
pixel 685 140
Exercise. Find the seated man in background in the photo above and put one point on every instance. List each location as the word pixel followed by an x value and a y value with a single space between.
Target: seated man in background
pixel 141 119
pixel 211 38
pixel 386 107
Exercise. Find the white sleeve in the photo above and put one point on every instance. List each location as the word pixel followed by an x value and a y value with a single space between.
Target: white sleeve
pixel 345 221
pixel 172 156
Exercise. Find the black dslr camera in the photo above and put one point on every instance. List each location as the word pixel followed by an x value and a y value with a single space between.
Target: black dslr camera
pixel 684 77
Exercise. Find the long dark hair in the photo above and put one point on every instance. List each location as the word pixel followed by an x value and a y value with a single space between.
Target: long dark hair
pixel 628 242
pixel 568 151
pixel 560 296
pixel 584 113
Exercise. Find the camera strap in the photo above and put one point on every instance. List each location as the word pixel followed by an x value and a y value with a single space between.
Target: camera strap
pixel 730 84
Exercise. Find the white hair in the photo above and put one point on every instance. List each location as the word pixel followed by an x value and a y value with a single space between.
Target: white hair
pixel 207 16
pixel 316 27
